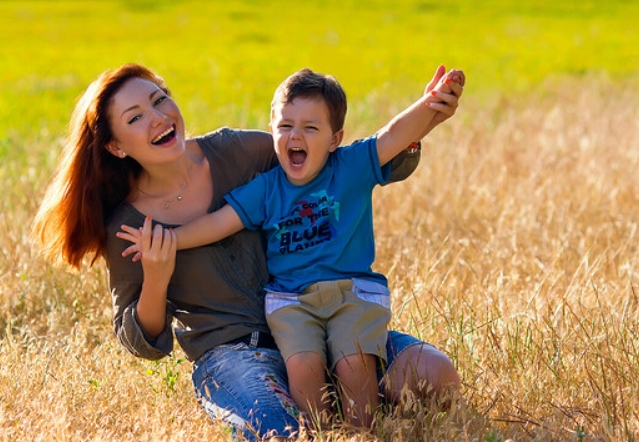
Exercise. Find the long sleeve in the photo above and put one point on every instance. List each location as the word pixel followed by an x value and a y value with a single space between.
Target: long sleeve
pixel 125 279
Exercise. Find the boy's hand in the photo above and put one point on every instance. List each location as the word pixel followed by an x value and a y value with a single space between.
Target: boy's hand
pixel 133 235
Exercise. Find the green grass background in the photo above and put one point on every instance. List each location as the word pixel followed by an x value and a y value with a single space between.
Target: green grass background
pixel 223 59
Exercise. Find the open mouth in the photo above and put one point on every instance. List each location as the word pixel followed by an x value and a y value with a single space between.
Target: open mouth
pixel 164 137
pixel 297 156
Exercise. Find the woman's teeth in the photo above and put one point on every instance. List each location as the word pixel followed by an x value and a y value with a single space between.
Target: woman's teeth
pixel 164 136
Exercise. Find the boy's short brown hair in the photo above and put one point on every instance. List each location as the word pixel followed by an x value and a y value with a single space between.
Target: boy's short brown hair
pixel 306 83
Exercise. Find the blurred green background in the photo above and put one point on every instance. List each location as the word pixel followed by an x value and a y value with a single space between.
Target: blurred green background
pixel 223 59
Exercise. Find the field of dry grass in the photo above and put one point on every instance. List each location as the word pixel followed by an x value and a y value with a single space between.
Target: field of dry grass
pixel 513 248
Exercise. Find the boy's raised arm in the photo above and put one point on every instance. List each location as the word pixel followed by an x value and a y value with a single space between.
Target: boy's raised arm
pixel 415 121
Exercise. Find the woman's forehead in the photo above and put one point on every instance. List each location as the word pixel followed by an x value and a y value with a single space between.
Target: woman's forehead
pixel 134 91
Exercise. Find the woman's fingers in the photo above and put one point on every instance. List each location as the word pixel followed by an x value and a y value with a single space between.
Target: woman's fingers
pixel 443 83
pixel 449 93
pixel 147 227
pixel 447 105
pixel 159 259
pixel 172 242
pixel 157 241
pixel 152 244
pixel 439 73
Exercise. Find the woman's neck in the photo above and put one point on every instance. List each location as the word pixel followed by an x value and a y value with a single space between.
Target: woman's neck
pixel 165 181
pixel 175 193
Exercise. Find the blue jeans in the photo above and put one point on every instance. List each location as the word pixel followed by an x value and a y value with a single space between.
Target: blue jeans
pixel 246 387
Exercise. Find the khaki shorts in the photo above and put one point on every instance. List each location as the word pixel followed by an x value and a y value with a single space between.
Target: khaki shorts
pixel 331 318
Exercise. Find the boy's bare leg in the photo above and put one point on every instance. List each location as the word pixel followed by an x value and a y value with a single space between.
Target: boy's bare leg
pixel 423 370
pixel 307 384
pixel 357 378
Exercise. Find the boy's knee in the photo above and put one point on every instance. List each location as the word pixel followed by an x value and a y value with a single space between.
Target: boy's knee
pixel 423 370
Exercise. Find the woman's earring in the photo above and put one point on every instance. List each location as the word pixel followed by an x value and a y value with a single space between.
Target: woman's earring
pixel 122 154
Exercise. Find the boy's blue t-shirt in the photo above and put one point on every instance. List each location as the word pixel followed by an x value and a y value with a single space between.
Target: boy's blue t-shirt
pixel 323 230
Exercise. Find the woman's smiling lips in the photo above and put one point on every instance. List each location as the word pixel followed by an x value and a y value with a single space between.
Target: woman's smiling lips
pixel 165 136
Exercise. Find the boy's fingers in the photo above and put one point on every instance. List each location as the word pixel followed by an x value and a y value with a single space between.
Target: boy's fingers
pixel 129 229
pixel 129 250
pixel 125 236
pixel 458 76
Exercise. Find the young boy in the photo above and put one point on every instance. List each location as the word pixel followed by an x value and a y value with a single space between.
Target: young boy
pixel 325 306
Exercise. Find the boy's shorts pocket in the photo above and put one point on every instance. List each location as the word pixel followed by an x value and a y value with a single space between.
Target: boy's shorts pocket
pixel 276 300
pixel 372 292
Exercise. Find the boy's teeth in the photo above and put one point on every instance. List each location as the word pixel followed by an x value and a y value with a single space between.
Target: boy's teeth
pixel 297 156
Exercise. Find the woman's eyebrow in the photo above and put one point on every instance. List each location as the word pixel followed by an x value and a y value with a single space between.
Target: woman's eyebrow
pixel 137 105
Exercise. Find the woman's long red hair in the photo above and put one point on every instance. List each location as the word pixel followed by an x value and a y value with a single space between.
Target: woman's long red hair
pixel 89 182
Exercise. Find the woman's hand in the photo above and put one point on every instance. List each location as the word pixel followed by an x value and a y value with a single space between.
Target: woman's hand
pixel 155 246
pixel 447 88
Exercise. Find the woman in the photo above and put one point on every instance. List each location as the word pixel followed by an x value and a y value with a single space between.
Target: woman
pixel 127 157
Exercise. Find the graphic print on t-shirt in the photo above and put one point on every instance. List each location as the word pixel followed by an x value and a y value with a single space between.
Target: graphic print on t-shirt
pixel 310 223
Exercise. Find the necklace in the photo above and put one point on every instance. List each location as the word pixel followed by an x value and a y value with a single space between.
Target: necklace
pixel 167 203
pixel 178 198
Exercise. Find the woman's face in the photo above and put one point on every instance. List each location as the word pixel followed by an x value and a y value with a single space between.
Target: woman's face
pixel 146 124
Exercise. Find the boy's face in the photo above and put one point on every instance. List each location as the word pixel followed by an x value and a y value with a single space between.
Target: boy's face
pixel 303 137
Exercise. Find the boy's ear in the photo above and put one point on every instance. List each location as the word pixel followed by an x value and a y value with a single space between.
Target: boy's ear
pixel 336 140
